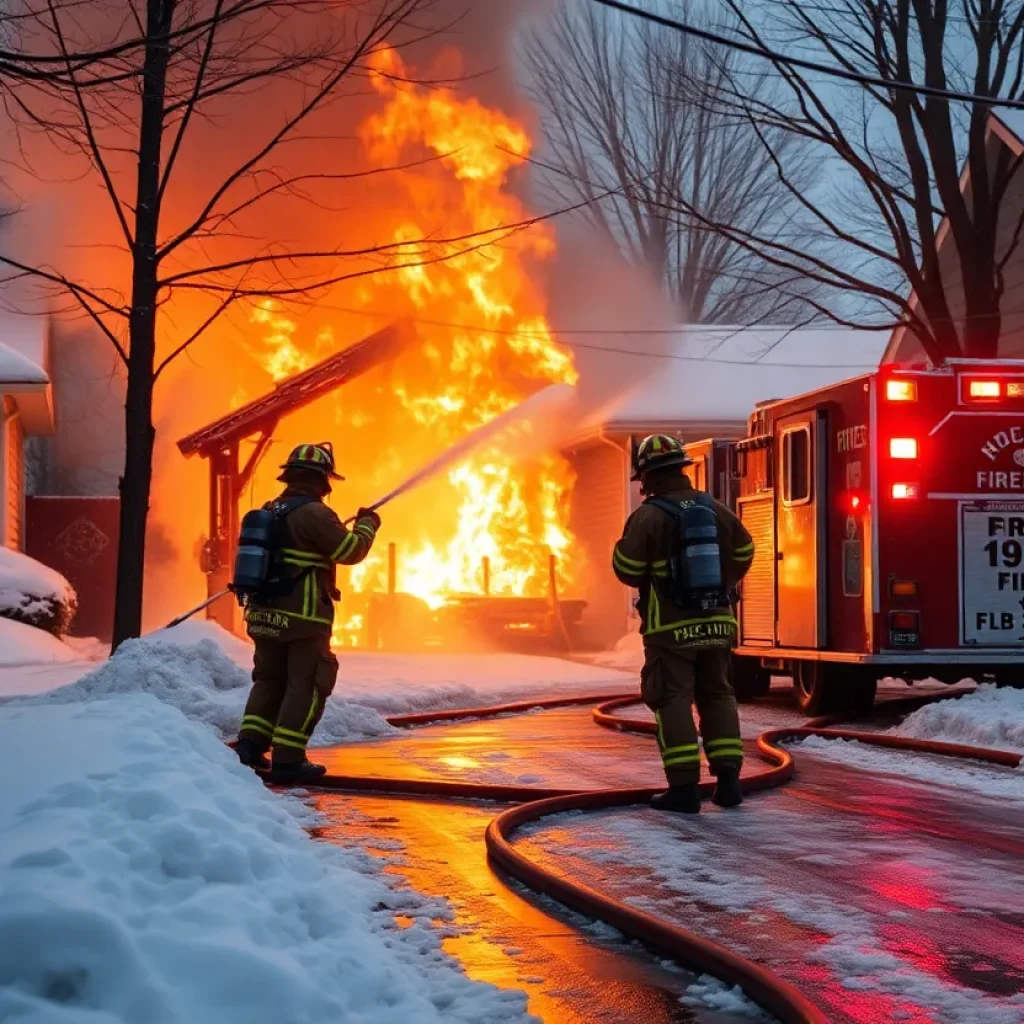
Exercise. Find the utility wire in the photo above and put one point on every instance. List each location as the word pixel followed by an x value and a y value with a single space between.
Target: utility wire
pixel 559 336
pixel 808 65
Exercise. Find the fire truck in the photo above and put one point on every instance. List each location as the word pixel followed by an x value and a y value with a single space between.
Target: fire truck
pixel 888 517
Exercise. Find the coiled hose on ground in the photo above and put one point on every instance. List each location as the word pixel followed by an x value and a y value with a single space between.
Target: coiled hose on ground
pixel 533 803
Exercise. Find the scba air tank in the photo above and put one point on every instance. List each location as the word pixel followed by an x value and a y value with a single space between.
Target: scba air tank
pixel 255 542
pixel 702 558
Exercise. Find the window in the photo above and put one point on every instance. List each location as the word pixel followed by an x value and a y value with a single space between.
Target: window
pixel 796 465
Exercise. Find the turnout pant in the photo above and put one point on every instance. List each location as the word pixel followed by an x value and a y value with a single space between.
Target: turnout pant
pixel 671 681
pixel 291 681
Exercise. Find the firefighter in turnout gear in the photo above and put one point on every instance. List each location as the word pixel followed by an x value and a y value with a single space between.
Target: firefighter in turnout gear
pixel 290 618
pixel 686 553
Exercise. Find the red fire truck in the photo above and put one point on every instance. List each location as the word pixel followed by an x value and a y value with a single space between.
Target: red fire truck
pixel 888 515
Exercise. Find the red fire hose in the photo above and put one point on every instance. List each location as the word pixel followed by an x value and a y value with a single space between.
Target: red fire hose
pixel 762 985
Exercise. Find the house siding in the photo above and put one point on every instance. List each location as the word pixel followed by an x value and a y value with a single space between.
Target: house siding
pixel 599 509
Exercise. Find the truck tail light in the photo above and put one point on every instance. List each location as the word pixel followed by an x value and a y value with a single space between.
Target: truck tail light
pixel 984 390
pixel 905 492
pixel 903 447
pixel 904 629
pixel 902 588
pixel 901 390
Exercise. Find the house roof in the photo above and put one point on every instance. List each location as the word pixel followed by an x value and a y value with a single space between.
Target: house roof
pixel 23 376
pixel 16 368
pixel 710 378
pixel 264 413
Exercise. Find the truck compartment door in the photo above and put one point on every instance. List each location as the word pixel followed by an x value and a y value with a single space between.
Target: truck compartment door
pixel 800 505
pixel 757 591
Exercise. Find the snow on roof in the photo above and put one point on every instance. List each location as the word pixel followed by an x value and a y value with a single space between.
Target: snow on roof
pixel 717 374
pixel 16 368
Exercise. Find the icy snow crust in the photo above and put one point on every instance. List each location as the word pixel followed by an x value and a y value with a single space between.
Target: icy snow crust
pixel 145 876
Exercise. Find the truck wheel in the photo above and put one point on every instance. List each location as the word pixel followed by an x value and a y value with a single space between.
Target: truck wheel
pixel 749 679
pixel 824 688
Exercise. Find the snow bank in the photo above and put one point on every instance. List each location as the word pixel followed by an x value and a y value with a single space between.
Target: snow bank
pixel 405 683
pixel 204 682
pixel 25 645
pixel 204 671
pixel 145 876
pixel 987 717
pixel 35 594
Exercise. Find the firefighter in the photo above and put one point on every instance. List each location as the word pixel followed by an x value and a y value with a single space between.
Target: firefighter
pixel 687 637
pixel 294 669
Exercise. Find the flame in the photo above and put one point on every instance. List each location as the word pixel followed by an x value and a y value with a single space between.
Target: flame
pixel 513 514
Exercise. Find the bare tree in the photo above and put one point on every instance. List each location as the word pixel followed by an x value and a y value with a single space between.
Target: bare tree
pixel 896 160
pixel 122 93
pixel 630 107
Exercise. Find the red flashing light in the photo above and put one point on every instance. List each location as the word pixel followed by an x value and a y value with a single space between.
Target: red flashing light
pixel 855 502
pixel 901 390
pixel 905 492
pixel 903 447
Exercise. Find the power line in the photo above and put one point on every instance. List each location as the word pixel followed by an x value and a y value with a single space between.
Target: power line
pixel 808 65
pixel 730 332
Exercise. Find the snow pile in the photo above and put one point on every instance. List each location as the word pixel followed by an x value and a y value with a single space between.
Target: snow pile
pixel 146 876
pixel 987 717
pixel 25 645
pixel 405 683
pixel 35 594
pixel 205 672
pixel 202 681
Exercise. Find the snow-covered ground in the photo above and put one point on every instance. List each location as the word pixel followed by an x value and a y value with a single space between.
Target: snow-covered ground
pixel 848 912
pixel 204 671
pixel 145 876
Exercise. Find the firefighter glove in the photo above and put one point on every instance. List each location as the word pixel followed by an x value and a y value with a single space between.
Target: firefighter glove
pixel 369 516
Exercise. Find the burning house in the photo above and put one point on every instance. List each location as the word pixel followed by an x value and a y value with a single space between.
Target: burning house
pixel 487 540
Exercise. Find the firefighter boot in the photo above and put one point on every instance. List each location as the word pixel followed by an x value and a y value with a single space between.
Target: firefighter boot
pixel 251 756
pixel 297 771
pixel 684 799
pixel 727 789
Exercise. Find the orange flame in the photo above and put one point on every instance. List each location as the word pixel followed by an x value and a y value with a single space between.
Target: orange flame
pixel 460 377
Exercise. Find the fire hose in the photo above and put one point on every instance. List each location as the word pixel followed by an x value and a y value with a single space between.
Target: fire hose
pixel 762 985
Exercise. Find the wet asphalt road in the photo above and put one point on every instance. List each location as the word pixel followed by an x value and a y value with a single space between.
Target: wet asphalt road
pixel 882 898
